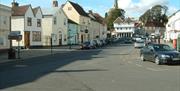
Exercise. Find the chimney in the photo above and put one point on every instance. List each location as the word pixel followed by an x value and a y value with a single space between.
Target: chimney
pixel 54 3
pixel 90 11
pixel 15 4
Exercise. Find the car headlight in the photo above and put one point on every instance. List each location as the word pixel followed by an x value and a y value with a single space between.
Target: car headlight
pixel 165 56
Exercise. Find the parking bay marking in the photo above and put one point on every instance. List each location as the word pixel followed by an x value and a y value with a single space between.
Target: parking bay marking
pixel 157 69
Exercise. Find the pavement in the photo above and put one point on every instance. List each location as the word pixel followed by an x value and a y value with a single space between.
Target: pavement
pixel 31 53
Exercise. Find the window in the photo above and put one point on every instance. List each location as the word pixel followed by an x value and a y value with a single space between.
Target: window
pixel 5 20
pixel 169 25
pixel 38 22
pixel 69 8
pixel 1 41
pixel 83 21
pixel 55 21
pixel 29 21
pixel 64 21
pixel 36 36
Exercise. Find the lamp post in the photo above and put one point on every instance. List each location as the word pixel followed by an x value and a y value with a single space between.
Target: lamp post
pixel 69 38
pixel 51 42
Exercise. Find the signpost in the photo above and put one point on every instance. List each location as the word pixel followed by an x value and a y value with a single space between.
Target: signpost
pixel 15 35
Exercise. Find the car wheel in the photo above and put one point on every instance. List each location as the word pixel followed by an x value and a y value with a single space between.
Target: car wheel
pixel 157 61
pixel 142 57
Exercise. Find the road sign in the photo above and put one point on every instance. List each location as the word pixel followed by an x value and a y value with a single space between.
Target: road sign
pixel 15 35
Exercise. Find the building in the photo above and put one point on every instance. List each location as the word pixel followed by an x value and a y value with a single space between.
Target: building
pixel 155 28
pixel 173 26
pixel 102 26
pixel 72 32
pixel 5 26
pixel 55 26
pixel 76 13
pixel 94 26
pixel 124 28
pixel 98 26
pixel 28 21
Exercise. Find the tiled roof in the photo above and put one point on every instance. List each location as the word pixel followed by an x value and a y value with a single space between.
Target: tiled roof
pixel 20 10
pixel 99 18
pixel 79 9
pixel 154 24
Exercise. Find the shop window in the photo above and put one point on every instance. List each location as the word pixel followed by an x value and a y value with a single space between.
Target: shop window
pixel 36 36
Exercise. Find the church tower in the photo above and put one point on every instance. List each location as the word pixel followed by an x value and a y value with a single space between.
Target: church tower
pixel 116 4
pixel 54 3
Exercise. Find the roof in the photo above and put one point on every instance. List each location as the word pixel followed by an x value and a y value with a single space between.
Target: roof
pixel 154 24
pixel 174 13
pixel 71 21
pixel 126 20
pixel 118 20
pixel 35 10
pixel 99 18
pixel 79 9
pixel 50 11
pixel 20 10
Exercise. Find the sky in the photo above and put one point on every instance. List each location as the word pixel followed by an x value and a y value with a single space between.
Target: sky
pixel 133 8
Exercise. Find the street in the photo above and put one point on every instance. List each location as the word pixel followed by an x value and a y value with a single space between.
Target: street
pixel 112 68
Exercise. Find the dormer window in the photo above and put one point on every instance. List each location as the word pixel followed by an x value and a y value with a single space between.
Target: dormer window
pixel 29 21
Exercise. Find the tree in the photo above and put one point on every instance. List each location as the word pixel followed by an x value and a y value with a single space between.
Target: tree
pixel 157 14
pixel 112 15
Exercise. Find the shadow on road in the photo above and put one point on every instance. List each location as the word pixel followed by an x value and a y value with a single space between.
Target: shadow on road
pixel 29 70
pixel 86 70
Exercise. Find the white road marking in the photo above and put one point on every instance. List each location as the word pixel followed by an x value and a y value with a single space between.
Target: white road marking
pixel 157 69
pixel 129 62
pixel 138 65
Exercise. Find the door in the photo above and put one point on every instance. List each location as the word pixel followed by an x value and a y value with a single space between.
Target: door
pixel 60 39
pixel 82 38
pixel 150 53
pixel 27 39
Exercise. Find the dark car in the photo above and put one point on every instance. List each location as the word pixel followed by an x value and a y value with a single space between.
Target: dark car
pixel 85 45
pixel 160 54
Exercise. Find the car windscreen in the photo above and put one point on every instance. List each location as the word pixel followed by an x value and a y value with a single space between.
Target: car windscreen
pixel 86 43
pixel 163 48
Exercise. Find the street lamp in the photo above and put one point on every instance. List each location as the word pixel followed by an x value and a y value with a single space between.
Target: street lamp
pixel 69 38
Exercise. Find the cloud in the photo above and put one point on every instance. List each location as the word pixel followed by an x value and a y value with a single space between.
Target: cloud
pixel 138 8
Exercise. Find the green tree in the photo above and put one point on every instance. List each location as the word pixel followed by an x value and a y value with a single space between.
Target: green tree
pixel 112 15
pixel 157 14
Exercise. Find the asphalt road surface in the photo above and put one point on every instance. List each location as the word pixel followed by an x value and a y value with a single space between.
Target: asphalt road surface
pixel 113 68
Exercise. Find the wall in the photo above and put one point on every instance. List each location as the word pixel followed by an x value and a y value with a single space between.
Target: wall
pixel 47 30
pixel 73 34
pixel 5 13
pixel 36 30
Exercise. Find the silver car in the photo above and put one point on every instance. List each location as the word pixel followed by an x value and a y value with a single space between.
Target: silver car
pixel 139 44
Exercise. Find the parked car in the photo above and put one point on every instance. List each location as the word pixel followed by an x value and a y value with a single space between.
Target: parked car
pixel 160 54
pixel 88 45
pixel 128 41
pixel 85 45
pixel 103 42
pixel 139 44
pixel 98 43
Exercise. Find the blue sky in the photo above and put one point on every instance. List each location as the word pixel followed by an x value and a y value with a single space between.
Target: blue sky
pixel 133 8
